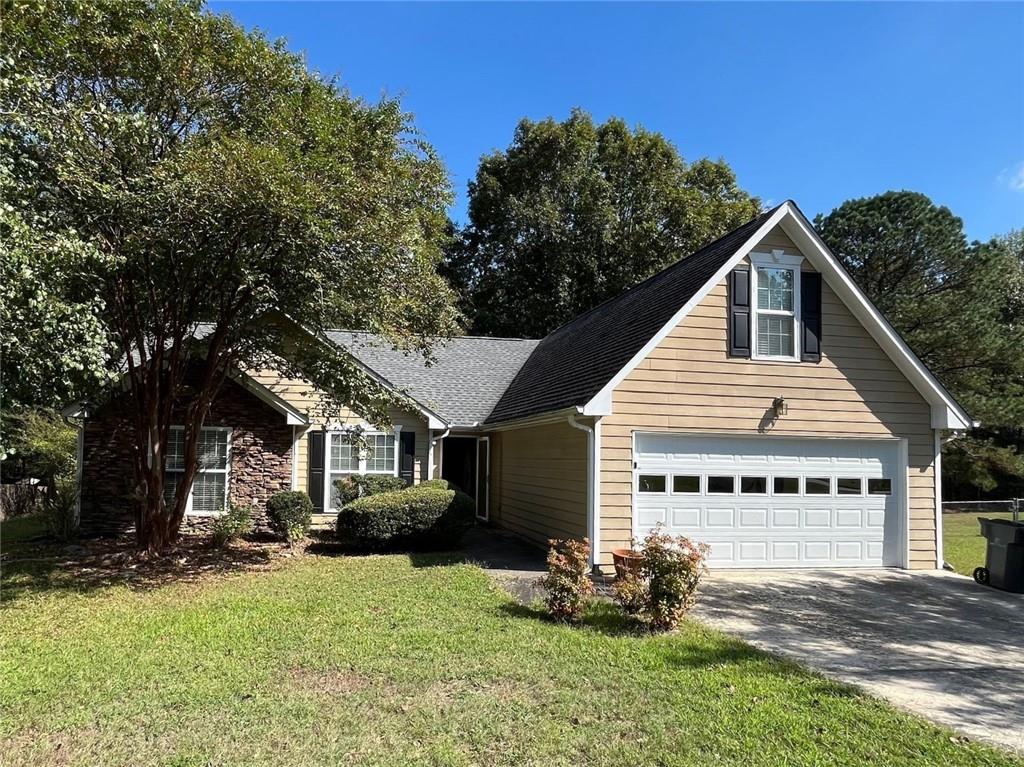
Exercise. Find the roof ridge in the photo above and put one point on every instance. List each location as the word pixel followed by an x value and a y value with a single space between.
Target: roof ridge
pixel 447 338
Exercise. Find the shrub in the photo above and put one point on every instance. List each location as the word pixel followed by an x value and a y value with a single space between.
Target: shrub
pixel 568 583
pixel 361 485
pixel 58 511
pixel 290 513
pixel 417 516
pixel 666 586
pixel 441 483
pixel 232 524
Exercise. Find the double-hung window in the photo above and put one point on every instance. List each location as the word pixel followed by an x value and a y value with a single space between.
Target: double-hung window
pixel 776 288
pixel 344 457
pixel 209 493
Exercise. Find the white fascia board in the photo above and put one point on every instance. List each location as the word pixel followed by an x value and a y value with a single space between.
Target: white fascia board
pixel 293 416
pixel 601 403
pixel 946 413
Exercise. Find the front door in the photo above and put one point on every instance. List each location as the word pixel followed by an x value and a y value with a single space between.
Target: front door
pixel 458 463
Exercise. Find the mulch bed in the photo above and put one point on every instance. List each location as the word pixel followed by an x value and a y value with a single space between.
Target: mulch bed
pixel 102 562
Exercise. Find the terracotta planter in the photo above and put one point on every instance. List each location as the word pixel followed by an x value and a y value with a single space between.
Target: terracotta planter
pixel 626 561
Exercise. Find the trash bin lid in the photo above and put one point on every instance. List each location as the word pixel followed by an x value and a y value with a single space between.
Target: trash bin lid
pixel 1003 531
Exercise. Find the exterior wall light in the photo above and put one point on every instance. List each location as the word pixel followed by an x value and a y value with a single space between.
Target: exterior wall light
pixel 780 406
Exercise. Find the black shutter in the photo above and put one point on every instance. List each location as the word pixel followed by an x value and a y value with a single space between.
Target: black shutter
pixel 739 313
pixel 316 470
pixel 810 316
pixel 407 467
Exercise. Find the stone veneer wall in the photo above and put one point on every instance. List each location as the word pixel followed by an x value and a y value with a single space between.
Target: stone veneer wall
pixel 261 461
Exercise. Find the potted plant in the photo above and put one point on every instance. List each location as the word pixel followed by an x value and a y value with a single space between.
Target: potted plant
pixel 627 561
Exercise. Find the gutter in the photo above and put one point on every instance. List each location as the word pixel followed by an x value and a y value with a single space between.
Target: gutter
pixel 593 483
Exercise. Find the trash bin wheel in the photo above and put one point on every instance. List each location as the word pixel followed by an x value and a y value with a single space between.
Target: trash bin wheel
pixel 981 575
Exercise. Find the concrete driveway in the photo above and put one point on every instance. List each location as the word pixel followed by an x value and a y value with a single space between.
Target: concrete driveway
pixel 936 644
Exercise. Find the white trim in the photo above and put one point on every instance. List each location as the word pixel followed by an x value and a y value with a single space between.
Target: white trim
pixel 777 259
pixel 293 416
pixel 595 532
pixel 946 413
pixel 329 431
pixel 904 453
pixel 592 524
pixel 551 416
pixel 940 555
pixel 487 480
pixel 296 436
pixel 226 471
pixel 79 470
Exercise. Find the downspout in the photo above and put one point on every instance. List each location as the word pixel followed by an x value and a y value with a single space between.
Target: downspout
pixel 430 454
pixel 79 428
pixel 940 555
pixel 593 477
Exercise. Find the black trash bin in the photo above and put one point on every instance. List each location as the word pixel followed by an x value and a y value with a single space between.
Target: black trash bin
pixel 1004 557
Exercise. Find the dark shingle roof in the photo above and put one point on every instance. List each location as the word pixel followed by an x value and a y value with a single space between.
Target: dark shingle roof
pixel 463 383
pixel 574 362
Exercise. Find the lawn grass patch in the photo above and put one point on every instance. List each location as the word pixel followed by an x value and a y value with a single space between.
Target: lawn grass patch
pixel 962 544
pixel 396 660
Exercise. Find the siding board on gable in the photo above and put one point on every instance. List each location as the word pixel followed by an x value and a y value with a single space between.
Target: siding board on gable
pixel 304 396
pixel 689 383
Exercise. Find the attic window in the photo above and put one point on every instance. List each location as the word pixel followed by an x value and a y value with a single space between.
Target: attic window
pixel 776 290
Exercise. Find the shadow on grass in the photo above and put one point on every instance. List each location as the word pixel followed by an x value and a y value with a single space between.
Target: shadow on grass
pixel 600 618
pixel 41 565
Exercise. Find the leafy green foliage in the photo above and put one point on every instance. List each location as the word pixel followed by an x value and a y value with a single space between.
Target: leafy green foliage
pixel 290 513
pixel 166 168
pixel 980 462
pixel 415 517
pixel 573 213
pixel 664 588
pixel 40 445
pixel 58 510
pixel 231 525
pixel 952 301
pixel 361 485
pixel 567 584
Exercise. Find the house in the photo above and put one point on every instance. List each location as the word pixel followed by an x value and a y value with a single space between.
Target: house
pixel 749 396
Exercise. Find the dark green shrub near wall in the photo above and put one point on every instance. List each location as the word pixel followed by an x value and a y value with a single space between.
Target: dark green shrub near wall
pixel 361 485
pixel 421 516
pixel 290 513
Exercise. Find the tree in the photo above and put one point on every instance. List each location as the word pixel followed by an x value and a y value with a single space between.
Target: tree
pixel 232 197
pixel 957 304
pixel 573 213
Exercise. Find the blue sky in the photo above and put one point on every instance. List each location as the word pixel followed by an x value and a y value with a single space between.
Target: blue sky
pixel 815 102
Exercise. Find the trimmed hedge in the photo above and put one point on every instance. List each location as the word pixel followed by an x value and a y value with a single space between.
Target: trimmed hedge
pixel 362 485
pixel 290 513
pixel 421 516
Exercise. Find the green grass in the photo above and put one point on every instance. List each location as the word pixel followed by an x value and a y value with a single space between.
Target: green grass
pixel 962 544
pixel 396 660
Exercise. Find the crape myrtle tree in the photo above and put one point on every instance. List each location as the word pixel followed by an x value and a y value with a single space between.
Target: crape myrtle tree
pixel 573 213
pixel 228 197
pixel 957 304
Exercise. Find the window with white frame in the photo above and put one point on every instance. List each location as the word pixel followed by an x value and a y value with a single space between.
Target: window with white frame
pixel 209 494
pixel 344 457
pixel 776 306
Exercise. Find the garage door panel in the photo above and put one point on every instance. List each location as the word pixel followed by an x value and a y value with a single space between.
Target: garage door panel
pixel 796 527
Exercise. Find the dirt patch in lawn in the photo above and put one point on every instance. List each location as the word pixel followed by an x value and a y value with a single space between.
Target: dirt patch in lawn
pixel 337 682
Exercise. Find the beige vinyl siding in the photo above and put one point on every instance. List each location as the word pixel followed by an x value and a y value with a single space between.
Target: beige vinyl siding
pixel 539 481
pixel 688 383
pixel 305 397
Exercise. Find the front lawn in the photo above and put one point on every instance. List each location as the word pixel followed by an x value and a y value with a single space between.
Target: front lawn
pixel 392 660
pixel 962 544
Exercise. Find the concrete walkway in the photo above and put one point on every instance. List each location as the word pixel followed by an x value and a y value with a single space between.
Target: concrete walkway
pixel 933 643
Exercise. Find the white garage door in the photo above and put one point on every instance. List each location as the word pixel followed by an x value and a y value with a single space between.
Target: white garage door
pixel 773 502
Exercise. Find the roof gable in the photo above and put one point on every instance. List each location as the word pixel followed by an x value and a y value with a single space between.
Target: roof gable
pixel 946 412
pixel 573 363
